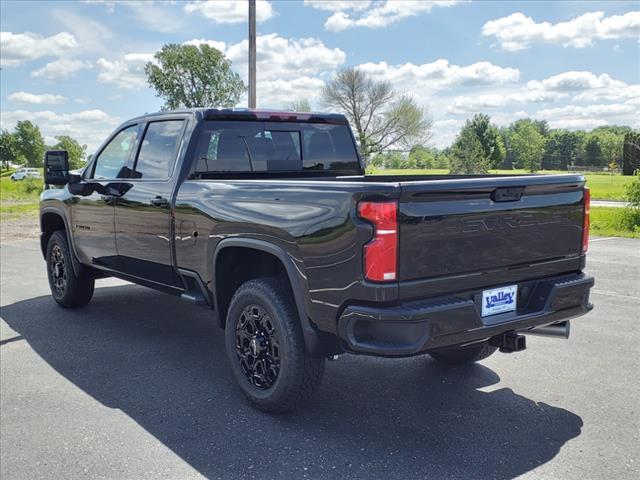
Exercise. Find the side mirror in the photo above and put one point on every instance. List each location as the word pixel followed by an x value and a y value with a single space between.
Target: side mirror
pixel 56 167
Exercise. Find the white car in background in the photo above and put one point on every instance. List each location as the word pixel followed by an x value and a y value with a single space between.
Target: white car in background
pixel 23 173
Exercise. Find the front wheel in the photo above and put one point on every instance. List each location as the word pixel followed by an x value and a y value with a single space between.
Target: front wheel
pixel 266 348
pixel 68 289
pixel 462 355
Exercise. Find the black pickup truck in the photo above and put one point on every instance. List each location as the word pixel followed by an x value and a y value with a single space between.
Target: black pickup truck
pixel 269 220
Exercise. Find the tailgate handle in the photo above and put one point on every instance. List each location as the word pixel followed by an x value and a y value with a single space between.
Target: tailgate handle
pixel 509 194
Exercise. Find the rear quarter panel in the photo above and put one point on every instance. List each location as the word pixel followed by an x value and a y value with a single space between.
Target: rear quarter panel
pixel 314 222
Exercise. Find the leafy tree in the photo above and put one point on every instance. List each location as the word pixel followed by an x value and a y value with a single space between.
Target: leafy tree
pixel 9 152
pixel 442 160
pixel 421 157
pixel 542 126
pixel 632 191
pixel 489 137
pixel 467 153
pixel 188 76
pixel 300 105
pixel 380 116
pixel 76 151
pixel 478 147
pixel 528 145
pixel 393 160
pixel 631 153
pixel 30 143
pixel 562 149
pixel 611 145
pixel 593 154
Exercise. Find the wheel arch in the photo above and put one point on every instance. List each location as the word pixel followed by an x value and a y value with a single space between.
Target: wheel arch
pixel 51 220
pixel 251 249
pixel 231 248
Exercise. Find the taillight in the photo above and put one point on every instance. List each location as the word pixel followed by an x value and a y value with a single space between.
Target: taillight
pixel 585 223
pixel 381 253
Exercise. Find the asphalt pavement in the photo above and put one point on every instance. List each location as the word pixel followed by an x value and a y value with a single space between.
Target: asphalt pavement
pixel 136 385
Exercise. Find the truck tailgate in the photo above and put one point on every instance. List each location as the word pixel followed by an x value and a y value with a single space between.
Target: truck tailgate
pixel 450 227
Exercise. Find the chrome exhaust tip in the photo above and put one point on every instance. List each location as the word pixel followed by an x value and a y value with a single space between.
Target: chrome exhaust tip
pixel 557 330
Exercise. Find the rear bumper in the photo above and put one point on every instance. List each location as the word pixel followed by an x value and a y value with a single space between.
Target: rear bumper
pixel 415 327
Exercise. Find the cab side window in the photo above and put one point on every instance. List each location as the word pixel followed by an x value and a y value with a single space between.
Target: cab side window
pixel 159 150
pixel 114 156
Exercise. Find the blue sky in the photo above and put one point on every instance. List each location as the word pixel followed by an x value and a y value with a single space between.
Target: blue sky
pixel 77 67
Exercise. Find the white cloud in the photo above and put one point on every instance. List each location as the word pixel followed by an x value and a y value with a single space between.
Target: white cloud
pixel 285 66
pixel 92 36
pixel 463 105
pixel 222 46
pixel 588 111
pixel 586 117
pixel 380 15
pixel 440 74
pixel 578 86
pixel 18 48
pixel 576 123
pixel 282 58
pixel 338 5
pixel 36 98
pixel 127 73
pixel 279 93
pixel 61 68
pixel 518 31
pixel 230 11
pixel 287 69
pixel 576 81
pixel 89 127
pixel 586 86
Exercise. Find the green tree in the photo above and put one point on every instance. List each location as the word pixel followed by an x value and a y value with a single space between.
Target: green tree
pixel 489 137
pixel 562 149
pixel 467 153
pixel 421 157
pixel 300 105
pixel 593 154
pixel 30 143
pixel 380 116
pixel 188 76
pixel 632 191
pixel 611 144
pixel 527 144
pixel 631 152
pixel 76 151
pixel 478 147
pixel 9 152
pixel 393 160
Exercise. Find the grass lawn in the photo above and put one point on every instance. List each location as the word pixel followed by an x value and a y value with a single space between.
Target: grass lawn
pixel 19 198
pixel 603 187
pixel 615 222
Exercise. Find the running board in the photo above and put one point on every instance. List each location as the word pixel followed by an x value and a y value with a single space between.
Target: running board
pixel 195 291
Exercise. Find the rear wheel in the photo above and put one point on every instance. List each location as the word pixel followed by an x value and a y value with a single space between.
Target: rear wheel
pixel 266 348
pixel 462 355
pixel 67 288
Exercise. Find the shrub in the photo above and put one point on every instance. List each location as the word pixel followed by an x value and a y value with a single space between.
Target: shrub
pixel 632 191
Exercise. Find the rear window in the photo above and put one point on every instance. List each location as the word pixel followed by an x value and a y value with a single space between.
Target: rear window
pixel 275 147
pixel 159 149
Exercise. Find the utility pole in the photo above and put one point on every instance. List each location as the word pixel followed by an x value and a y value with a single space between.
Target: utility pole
pixel 252 53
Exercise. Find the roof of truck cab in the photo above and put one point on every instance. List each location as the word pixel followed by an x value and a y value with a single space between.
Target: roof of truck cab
pixel 255 114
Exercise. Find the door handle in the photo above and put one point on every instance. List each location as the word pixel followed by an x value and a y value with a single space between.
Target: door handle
pixel 108 199
pixel 159 202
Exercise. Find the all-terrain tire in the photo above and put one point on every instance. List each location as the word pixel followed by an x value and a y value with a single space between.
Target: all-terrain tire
pixel 298 374
pixel 464 355
pixel 68 289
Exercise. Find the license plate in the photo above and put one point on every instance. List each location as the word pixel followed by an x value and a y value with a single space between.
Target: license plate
pixel 499 300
